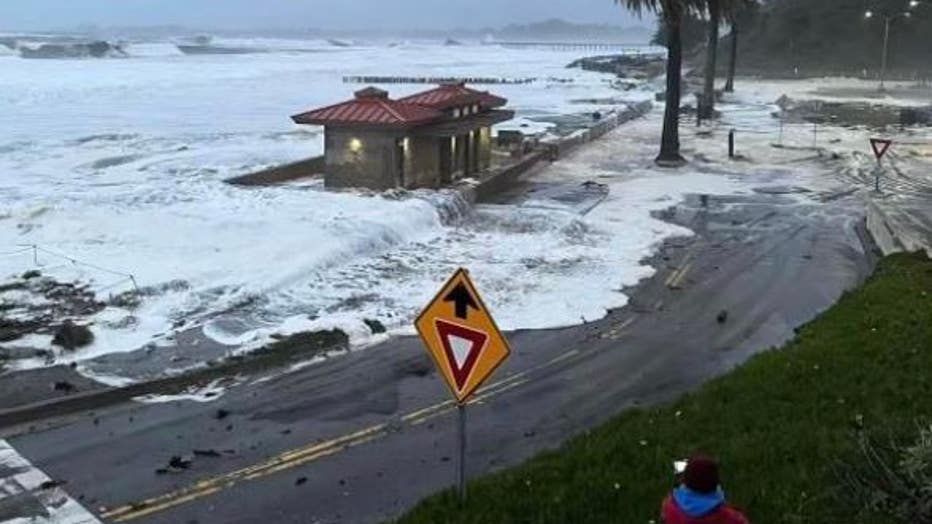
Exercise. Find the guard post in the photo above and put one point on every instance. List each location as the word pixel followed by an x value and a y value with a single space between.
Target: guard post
pixel 461 464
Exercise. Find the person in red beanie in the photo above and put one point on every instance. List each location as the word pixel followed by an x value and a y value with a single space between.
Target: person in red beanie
pixel 700 498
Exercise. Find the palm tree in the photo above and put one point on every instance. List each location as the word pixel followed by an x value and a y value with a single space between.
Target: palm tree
pixel 707 102
pixel 739 17
pixel 671 12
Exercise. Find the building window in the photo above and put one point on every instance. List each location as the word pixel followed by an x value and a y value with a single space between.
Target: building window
pixel 456 112
pixel 475 108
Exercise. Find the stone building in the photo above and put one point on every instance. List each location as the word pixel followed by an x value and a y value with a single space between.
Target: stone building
pixel 424 140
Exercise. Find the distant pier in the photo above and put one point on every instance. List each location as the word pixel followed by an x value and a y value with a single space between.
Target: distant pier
pixel 388 79
pixel 579 46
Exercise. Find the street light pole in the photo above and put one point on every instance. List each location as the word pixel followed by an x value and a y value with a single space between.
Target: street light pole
pixel 887 20
pixel 886 44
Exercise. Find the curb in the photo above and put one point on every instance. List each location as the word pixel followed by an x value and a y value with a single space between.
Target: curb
pixel 271 357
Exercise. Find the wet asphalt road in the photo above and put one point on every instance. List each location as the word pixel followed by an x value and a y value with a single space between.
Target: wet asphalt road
pixel 362 437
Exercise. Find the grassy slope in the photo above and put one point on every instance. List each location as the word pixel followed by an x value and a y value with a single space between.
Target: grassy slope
pixel 778 423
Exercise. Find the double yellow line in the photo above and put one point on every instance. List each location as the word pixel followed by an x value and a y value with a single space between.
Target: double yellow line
pixel 311 453
pixel 676 278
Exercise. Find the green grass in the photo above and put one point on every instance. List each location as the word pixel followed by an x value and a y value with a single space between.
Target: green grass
pixel 780 424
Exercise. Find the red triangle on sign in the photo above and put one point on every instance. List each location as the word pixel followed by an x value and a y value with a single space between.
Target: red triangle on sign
pixel 462 346
pixel 880 146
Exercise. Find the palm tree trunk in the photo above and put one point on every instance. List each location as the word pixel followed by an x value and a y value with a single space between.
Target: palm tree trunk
pixel 707 105
pixel 733 62
pixel 670 141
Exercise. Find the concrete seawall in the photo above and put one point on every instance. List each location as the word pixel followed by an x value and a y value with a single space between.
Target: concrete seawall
pixel 553 149
pixel 278 174
pixel 562 146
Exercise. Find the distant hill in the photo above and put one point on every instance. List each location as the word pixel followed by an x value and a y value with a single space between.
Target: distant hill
pixel 561 30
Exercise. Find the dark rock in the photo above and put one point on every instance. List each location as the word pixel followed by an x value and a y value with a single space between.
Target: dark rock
pixel 375 326
pixel 177 462
pixel 72 336
pixel 95 49
pixel 722 317
pixel 13 329
pixel 300 481
pixel 126 300
pixel 63 385
pixel 32 273
pixel 51 484
pixel 221 414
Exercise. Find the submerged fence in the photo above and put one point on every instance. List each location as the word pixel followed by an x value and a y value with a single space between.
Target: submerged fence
pixel 37 251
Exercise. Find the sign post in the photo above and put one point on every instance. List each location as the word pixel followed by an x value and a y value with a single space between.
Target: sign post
pixel 466 345
pixel 461 463
pixel 880 147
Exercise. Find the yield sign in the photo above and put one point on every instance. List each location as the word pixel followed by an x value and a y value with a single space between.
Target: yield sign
pixel 462 347
pixel 461 336
pixel 880 146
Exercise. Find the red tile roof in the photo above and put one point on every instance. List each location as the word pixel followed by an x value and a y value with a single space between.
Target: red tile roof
pixel 449 95
pixel 370 107
pixel 373 107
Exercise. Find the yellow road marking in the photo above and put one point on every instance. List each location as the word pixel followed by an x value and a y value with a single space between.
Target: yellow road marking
pixel 684 265
pixel 630 320
pixel 679 279
pixel 208 486
pixel 148 510
pixel 616 332
pixel 297 457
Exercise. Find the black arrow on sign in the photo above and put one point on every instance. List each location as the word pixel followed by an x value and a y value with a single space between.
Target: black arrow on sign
pixel 463 300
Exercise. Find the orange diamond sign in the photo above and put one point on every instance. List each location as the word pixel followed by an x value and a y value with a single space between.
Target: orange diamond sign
pixel 461 336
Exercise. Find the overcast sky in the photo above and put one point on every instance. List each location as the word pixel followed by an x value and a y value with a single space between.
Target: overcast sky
pixel 329 14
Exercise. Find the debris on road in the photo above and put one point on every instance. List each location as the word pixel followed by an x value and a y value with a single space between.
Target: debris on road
pixel 374 325
pixel 176 464
pixel 63 385
pixel 52 484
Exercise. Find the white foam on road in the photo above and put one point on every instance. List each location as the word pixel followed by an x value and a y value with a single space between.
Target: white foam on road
pixel 23 499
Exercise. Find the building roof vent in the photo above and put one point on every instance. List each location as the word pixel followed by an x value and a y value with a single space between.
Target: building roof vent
pixel 372 92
